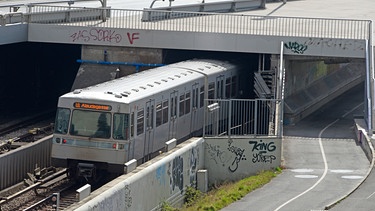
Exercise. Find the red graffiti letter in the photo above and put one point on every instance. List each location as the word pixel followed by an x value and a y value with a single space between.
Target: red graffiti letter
pixel 134 36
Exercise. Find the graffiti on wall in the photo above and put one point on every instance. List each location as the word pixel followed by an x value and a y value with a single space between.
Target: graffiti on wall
pixel 160 172
pixel 336 43
pixel 260 150
pixel 103 36
pixel 296 47
pixel 175 172
pixel 301 46
pixel 239 155
pixel 193 159
pixel 128 198
pixel 216 154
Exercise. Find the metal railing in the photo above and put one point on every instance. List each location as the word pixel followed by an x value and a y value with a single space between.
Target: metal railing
pixel 238 117
pixel 200 22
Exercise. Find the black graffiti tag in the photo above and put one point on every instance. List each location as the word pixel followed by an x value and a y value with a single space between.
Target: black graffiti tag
pixel 240 155
pixel 216 153
pixel 260 157
pixel 177 177
pixel 296 47
pixel 270 147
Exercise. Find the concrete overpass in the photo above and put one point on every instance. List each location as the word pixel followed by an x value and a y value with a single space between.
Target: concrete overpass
pixel 309 49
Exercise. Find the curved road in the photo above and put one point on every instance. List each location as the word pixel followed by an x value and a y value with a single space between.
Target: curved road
pixel 322 161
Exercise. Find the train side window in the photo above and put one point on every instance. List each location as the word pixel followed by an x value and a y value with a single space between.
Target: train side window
pixel 234 86
pixel 132 120
pixel 62 120
pixel 211 90
pixel 227 88
pixel 195 99
pixel 187 103
pixel 219 89
pixel 140 121
pixel 182 105
pixel 150 116
pixel 173 104
pixel 121 126
pixel 201 96
pixel 165 111
pixel 159 114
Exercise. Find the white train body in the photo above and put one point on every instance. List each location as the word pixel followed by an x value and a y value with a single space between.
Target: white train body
pixel 104 126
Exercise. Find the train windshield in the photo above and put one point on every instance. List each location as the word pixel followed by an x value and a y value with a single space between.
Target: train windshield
pixel 92 124
pixel 62 120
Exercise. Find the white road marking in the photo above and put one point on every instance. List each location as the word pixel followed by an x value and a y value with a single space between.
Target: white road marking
pixel 352 177
pixel 341 171
pixel 306 176
pixel 324 160
pixel 370 195
pixel 302 170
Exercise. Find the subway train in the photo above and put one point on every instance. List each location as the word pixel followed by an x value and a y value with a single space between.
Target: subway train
pixel 100 128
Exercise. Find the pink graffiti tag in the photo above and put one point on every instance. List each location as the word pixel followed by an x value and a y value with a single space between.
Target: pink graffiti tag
pixel 80 35
pixel 105 35
pixel 102 35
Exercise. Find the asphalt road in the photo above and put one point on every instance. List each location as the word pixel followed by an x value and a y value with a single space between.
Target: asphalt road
pixel 322 162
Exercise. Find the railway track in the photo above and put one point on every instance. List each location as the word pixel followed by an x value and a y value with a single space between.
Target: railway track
pixel 55 190
pixel 29 136
pixel 13 123
pixel 16 131
pixel 49 192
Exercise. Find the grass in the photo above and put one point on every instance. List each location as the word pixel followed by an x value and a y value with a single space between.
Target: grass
pixel 226 194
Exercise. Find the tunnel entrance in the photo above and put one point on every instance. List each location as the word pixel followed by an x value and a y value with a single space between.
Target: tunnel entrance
pixel 34 75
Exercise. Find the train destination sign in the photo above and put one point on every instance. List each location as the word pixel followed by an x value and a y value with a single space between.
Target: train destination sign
pixel 92 106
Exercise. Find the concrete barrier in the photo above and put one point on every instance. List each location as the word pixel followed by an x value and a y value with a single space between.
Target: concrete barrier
pixel 198 163
pixel 363 139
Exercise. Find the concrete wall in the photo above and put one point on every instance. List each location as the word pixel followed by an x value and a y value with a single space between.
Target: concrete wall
pixel 196 41
pixel 235 159
pixel 13 34
pixel 165 178
pixel 128 59
pixel 160 180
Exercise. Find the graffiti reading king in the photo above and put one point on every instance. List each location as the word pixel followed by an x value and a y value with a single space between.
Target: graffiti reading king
pixel 260 150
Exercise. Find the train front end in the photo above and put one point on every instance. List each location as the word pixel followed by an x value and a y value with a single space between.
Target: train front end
pixel 90 138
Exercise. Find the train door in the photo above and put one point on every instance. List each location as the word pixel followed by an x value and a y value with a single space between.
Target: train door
pixel 220 87
pixel 173 116
pixel 149 130
pixel 194 123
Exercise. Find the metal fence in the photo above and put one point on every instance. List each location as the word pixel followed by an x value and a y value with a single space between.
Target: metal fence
pixel 238 117
pixel 16 164
pixel 233 23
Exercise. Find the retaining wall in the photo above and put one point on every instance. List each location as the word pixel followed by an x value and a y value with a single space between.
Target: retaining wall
pixel 197 162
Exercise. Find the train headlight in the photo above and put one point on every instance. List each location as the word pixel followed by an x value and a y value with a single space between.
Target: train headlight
pixel 57 140
pixel 64 141
pixel 120 146
pixel 114 146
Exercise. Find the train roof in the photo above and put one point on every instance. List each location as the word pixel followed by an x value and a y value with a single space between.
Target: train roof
pixel 149 82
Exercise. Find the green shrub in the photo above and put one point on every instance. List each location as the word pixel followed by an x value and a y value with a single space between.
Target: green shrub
pixel 191 195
